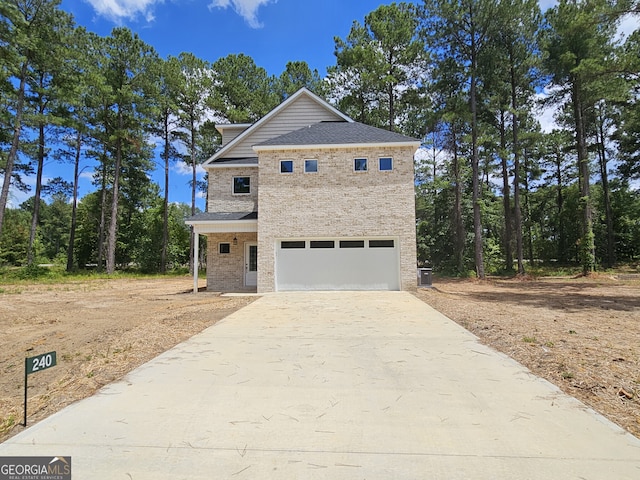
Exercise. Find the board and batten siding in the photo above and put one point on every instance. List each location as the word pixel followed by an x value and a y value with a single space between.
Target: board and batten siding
pixel 302 112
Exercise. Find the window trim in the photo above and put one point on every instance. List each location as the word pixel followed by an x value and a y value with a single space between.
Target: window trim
pixel 292 167
pixel 310 160
pixel 366 165
pixel 233 185
pixel 386 169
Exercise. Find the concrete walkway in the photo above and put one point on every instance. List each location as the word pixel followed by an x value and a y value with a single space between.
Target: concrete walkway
pixel 366 385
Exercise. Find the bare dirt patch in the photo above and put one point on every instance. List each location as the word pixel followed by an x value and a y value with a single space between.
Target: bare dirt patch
pixel 100 329
pixel 583 335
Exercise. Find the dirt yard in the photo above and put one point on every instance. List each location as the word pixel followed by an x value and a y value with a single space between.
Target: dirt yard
pixel 100 329
pixel 583 335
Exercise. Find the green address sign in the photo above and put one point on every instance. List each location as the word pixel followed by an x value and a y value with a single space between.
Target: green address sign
pixel 41 362
pixel 33 365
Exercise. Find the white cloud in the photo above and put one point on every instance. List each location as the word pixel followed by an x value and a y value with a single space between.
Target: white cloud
pixel 247 9
pixel 183 168
pixel 117 10
pixel 87 175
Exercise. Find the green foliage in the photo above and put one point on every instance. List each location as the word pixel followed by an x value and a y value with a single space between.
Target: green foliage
pixel 243 90
pixel 380 66
pixel 296 76
pixel 15 237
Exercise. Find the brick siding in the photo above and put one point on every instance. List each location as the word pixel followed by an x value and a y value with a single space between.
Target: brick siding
pixel 336 202
pixel 221 197
pixel 225 271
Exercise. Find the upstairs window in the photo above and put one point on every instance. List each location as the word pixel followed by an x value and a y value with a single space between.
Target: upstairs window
pixel 310 166
pixel 385 164
pixel 360 164
pixel 241 185
pixel 286 166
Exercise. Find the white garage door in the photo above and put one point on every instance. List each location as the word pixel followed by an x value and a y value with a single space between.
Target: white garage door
pixel 337 264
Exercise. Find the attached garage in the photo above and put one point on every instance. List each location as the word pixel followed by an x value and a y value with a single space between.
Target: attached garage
pixel 337 264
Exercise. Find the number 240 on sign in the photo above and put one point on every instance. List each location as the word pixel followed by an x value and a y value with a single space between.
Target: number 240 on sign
pixel 41 362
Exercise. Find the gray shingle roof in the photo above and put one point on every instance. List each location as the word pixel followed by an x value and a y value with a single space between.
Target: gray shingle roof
pixel 337 133
pixel 218 217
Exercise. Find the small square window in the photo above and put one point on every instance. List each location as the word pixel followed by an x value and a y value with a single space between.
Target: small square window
pixel 224 248
pixel 360 164
pixel 286 166
pixel 310 166
pixel 385 164
pixel 241 185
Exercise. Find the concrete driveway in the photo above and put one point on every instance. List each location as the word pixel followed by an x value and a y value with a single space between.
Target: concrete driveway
pixel 364 385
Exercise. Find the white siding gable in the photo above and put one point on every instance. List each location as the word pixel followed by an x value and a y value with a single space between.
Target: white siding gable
pixel 229 132
pixel 301 112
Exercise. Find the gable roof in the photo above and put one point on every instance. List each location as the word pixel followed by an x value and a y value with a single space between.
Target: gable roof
pixel 303 92
pixel 334 134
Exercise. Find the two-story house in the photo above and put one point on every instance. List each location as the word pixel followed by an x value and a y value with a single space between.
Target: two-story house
pixel 308 199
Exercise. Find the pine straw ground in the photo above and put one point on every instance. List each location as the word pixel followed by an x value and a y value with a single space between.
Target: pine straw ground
pixel 581 334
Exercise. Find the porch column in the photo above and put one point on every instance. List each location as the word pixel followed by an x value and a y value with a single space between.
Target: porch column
pixel 196 251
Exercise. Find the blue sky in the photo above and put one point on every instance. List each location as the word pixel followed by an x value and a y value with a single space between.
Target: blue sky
pixel 272 32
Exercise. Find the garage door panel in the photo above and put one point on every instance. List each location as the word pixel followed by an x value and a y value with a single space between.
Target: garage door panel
pixel 337 268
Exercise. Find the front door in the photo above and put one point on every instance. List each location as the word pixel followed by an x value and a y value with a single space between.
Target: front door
pixel 250 264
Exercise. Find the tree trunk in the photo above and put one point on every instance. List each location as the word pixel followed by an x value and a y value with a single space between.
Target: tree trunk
pixel 587 247
pixel 392 112
pixel 165 213
pixel 475 164
pixel 527 209
pixel 74 206
pixel 506 201
pixel 103 209
pixel 457 210
pixel 562 247
pixel 516 171
pixel 602 154
pixel 15 141
pixel 38 192
pixel 113 223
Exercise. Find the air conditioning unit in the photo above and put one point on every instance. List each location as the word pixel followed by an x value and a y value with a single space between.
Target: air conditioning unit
pixel 424 277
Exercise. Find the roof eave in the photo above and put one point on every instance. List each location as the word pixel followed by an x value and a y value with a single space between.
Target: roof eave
pixel 223 226
pixel 271 148
pixel 225 165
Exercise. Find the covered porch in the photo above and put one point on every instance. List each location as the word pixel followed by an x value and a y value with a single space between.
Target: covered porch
pixel 232 246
